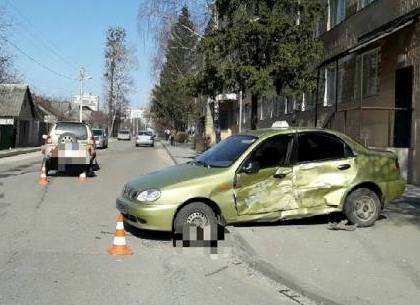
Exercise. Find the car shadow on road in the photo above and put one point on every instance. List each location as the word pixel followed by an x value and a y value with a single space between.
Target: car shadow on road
pixel 309 221
pixel 404 211
pixel 147 234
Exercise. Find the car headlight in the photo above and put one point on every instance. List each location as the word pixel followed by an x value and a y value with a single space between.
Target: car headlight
pixel 149 195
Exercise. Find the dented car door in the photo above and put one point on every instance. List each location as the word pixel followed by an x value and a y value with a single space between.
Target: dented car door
pixel 264 184
pixel 324 170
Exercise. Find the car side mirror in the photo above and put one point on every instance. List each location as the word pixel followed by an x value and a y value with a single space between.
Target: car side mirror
pixel 251 167
pixel 44 136
pixel 282 172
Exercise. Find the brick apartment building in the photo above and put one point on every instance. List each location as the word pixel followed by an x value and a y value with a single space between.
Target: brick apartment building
pixel 368 85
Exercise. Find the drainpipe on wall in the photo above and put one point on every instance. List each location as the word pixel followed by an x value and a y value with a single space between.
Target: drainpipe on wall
pixel 240 111
pixel 317 97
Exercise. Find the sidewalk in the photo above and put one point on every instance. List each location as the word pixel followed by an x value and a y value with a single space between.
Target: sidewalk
pixel 377 265
pixel 18 151
pixel 181 153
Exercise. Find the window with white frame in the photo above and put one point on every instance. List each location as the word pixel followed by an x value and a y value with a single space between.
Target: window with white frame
pixel 261 103
pixel 289 104
pixel 330 85
pixel 337 11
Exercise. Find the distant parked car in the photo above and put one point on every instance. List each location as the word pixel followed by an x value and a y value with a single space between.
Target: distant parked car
pixel 101 138
pixel 69 147
pixel 124 135
pixel 145 138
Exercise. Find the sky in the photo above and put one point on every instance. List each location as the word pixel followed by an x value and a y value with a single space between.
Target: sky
pixel 62 35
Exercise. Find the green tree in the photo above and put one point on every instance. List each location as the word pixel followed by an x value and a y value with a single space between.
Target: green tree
pixel 170 103
pixel 260 47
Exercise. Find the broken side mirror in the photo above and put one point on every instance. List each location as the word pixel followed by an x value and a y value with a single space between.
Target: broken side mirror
pixel 251 167
pixel 282 172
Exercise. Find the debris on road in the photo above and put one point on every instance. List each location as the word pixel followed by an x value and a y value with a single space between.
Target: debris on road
pixel 342 225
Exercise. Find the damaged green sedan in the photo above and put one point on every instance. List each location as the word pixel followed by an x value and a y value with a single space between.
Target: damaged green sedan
pixel 267 175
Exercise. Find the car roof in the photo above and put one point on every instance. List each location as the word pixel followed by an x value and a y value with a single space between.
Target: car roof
pixel 267 132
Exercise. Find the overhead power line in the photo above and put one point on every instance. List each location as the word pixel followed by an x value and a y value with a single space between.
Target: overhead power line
pixel 38 62
pixel 47 44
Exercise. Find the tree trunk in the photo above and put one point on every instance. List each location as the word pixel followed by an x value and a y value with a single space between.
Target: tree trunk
pixel 254 111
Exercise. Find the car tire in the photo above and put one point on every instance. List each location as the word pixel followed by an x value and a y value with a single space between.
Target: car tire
pixel 362 207
pixel 196 213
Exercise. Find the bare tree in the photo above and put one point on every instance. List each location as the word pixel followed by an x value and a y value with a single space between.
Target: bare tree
pixel 118 82
pixel 156 18
pixel 7 72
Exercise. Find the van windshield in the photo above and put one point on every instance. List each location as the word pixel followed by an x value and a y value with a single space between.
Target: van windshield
pixel 97 132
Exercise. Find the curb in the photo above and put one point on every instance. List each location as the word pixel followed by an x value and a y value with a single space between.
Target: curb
pixel 247 254
pixel 169 153
pixel 19 152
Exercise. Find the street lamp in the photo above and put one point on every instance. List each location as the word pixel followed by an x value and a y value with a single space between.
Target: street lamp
pixel 83 77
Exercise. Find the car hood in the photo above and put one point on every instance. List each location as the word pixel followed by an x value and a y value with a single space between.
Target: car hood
pixel 172 175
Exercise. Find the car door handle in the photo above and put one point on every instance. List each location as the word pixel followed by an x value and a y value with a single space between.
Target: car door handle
pixel 343 167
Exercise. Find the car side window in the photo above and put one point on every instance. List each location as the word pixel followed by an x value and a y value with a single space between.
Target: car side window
pixel 318 147
pixel 273 152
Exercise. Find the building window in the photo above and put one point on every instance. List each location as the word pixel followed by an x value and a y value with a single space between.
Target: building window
pixel 308 101
pixel 370 73
pixel 363 3
pixel 246 113
pixel 337 11
pixel 290 104
pixel 261 102
pixel 330 85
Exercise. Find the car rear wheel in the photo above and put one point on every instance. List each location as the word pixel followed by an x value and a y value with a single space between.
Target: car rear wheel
pixel 362 207
pixel 195 214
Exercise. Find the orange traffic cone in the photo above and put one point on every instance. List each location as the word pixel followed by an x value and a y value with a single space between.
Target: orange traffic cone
pixel 119 245
pixel 43 178
pixel 82 177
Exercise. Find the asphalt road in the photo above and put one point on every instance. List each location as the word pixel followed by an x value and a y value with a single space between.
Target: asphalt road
pixel 54 240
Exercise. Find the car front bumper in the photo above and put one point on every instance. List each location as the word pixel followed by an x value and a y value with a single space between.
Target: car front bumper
pixel 157 217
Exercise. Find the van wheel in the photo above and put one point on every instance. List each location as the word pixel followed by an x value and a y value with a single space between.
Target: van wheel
pixel 362 207
pixel 196 214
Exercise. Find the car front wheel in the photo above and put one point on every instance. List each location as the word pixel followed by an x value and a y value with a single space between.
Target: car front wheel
pixel 195 214
pixel 362 207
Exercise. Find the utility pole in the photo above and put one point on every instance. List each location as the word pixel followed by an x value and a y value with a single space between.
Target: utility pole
pixel 82 79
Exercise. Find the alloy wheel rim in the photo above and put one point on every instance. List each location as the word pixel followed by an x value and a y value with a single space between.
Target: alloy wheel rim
pixel 197 219
pixel 365 208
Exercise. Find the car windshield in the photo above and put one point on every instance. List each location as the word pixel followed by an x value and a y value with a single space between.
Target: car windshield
pixel 124 131
pixel 78 129
pixel 226 152
pixel 145 133
pixel 97 132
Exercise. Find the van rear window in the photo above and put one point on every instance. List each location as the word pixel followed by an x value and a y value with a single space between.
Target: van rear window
pixel 79 130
